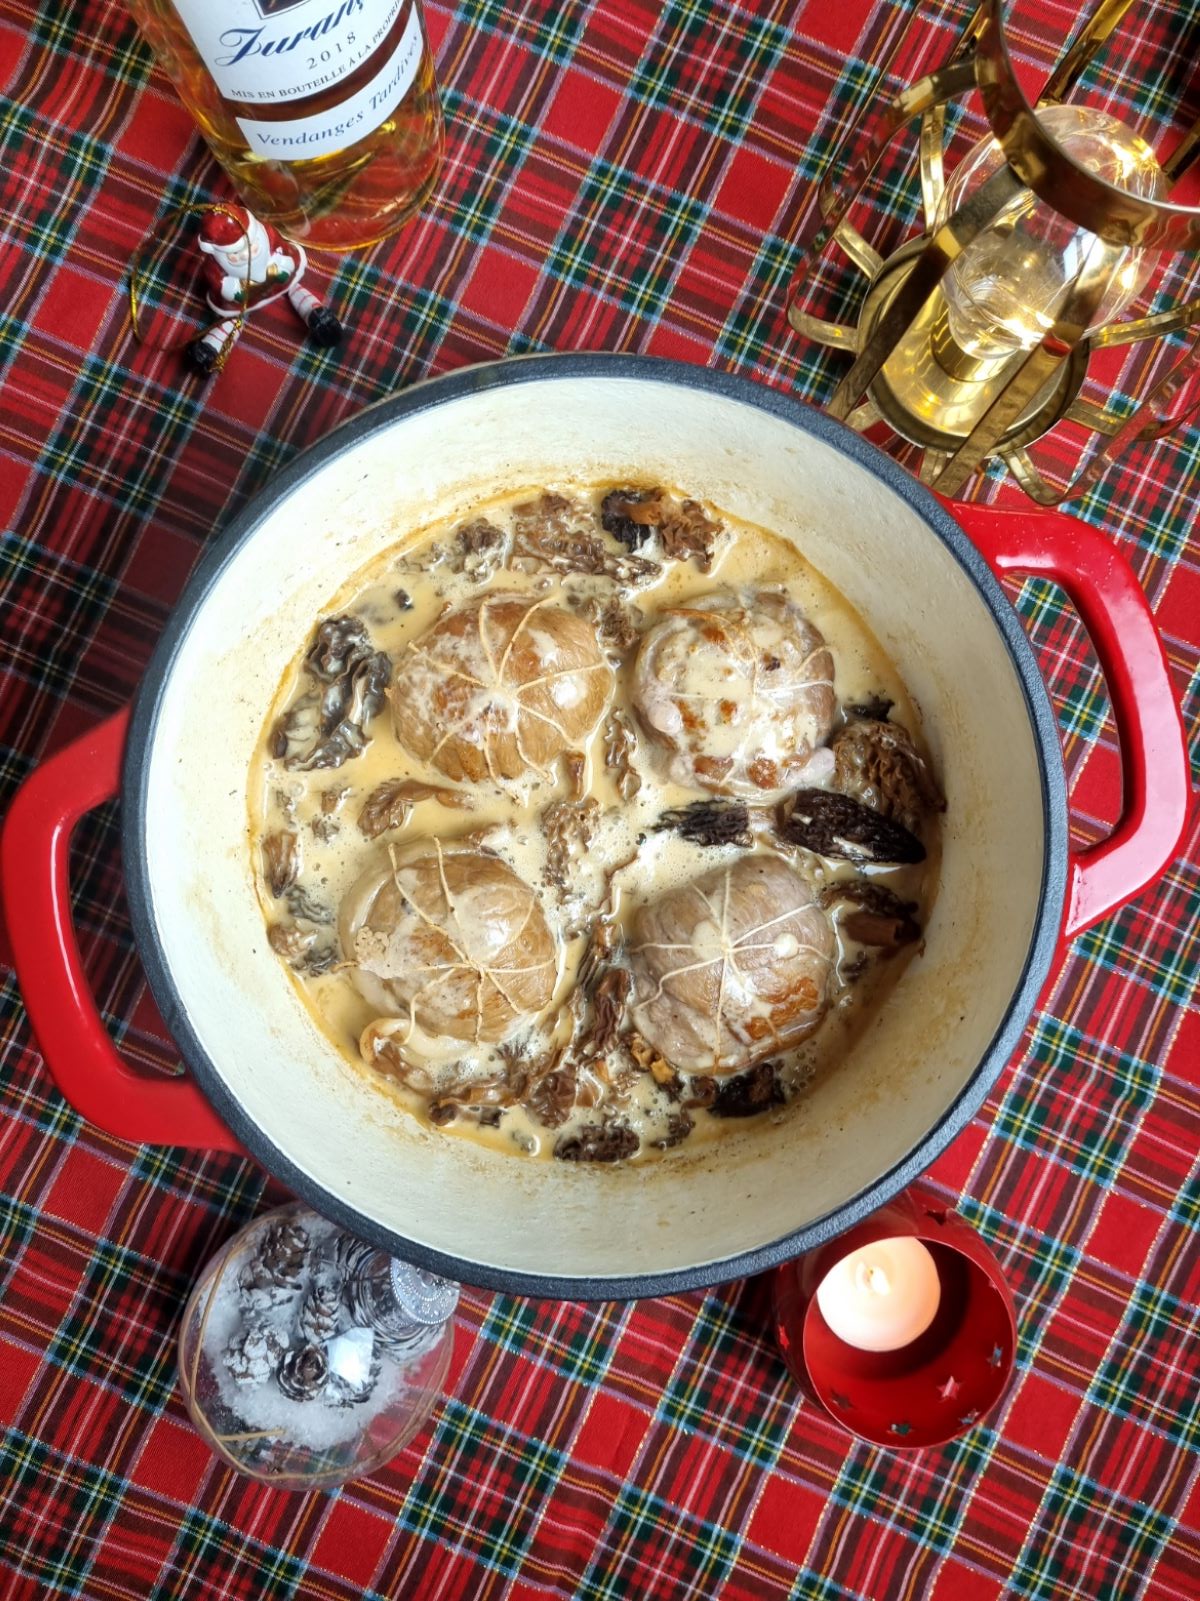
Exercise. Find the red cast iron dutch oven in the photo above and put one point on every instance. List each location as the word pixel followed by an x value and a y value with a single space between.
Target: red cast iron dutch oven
pixel 263 1079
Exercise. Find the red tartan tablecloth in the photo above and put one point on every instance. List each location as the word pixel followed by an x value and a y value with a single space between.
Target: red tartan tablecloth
pixel 621 175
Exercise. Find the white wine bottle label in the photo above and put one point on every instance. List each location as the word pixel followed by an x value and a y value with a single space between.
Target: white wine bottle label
pixel 266 52
pixel 322 132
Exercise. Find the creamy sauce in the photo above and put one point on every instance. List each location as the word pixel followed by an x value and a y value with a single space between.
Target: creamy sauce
pixel 626 860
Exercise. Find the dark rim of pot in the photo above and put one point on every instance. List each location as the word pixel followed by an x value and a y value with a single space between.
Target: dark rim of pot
pixel 541 369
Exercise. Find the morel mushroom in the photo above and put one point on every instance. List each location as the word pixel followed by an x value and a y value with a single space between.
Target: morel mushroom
pixel 631 515
pixel 843 829
pixel 500 688
pixel 478 549
pixel 732 967
pixel 554 532
pixel 738 689
pixel 685 531
pixel 291 942
pixel 448 939
pixel 878 764
pixel 709 822
pixel 748 1094
pixel 598 1142
pixel 328 726
pixel 281 860
pixel 620 743
pixel 679 1126
pixel 617 622
pixel 339 642
pixel 569 827
pixel 390 804
pixel 550 1098
pixel 877 916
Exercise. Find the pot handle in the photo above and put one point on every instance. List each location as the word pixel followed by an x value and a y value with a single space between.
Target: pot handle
pixel 1154 758
pixel 82 1059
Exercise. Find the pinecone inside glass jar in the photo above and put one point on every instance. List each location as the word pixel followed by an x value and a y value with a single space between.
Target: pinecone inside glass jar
pixel 303 1372
pixel 254 1354
pixel 276 1271
pixel 321 1306
pixel 351 1253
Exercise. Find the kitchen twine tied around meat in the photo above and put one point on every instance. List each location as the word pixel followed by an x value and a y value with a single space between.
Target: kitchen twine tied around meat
pixel 149 257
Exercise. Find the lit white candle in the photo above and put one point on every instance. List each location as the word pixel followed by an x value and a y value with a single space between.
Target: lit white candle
pixel 883 1296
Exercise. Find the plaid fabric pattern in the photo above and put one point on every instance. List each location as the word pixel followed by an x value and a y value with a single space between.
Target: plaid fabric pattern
pixel 628 176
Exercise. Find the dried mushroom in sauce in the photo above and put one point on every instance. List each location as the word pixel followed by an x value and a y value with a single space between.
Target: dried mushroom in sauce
pixel 598 1142
pixel 569 827
pixel 873 914
pixel 618 623
pixel 553 532
pixel 620 744
pixel 679 1126
pixel 390 804
pixel 291 942
pixel 878 764
pixel 550 1098
pixel 479 549
pixel 631 515
pixel 710 822
pixel 842 828
pixel 685 531
pixel 608 998
pixel 306 903
pixel 328 725
pixel 749 1094
pixel 281 859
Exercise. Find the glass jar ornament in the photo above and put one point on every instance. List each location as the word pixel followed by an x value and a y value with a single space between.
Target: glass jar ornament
pixel 307 1357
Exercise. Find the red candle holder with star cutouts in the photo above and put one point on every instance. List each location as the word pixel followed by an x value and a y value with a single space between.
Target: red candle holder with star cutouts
pixel 940 1385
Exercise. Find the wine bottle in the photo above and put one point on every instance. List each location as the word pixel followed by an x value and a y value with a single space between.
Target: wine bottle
pixel 324 113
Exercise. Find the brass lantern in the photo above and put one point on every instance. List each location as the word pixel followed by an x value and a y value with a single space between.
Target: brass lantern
pixel 974 339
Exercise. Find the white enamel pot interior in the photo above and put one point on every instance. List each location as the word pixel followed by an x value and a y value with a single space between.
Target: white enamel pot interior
pixel 923 1066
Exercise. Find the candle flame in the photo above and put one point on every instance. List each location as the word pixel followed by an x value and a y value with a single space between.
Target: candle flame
pixel 871 1279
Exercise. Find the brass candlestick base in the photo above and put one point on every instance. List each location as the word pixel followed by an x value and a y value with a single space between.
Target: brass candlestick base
pixel 929 391
pixel 1037 209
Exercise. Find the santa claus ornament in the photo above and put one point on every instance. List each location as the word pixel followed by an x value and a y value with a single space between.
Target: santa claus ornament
pixel 247 265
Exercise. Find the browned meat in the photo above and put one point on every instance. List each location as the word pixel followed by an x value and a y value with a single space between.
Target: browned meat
pixel 732 967
pixel 450 941
pixel 737 689
pixel 500 688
